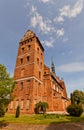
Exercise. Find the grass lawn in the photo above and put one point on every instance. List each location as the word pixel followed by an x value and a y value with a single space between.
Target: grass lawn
pixel 40 119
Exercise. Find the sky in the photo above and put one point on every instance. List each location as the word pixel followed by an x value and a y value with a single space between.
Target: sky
pixel 59 25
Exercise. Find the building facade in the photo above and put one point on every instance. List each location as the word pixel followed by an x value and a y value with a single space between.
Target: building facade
pixel 34 80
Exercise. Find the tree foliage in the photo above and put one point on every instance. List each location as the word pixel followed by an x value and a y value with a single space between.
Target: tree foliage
pixel 41 107
pixel 77 97
pixel 77 101
pixel 75 109
pixel 17 114
pixel 6 86
pixel 2 110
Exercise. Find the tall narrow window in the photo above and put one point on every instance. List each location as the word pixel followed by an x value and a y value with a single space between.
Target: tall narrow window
pixel 28 104
pixel 39 74
pixel 21 60
pixel 39 88
pixel 22 104
pixel 28 58
pixel 41 64
pixel 44 73
pixel 41 55
pixel 23 49
pixel 29 47
pixel 39 85
pixel 38 50
pixel 22 72
pixel 21 85
pixel 17 103
pixel 37 60
pixel 30 40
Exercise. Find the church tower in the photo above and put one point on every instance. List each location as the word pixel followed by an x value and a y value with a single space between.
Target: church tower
pixel 34 80
pixel 53 68
pixel 28 73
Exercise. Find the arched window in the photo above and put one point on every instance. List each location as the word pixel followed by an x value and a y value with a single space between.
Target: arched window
pixel 23 50
pixel 38 50
pixel 29 47
pixel 41 64
pixel 21 60
pixel 37 60
pixel 28 58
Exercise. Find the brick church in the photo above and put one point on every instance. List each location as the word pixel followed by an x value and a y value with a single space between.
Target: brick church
pixel 34 80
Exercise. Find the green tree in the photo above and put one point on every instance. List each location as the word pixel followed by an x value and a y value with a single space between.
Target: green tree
pixel 17 114
pixel 77 102
pixel 41 107
pixel 2 110
pixel 7 84
pixel 75 109
pixel 72 99
pixel 78 97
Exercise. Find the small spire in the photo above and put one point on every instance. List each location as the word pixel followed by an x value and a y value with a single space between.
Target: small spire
pixel 53 67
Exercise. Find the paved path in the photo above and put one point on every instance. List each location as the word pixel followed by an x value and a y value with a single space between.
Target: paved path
pixel 68 126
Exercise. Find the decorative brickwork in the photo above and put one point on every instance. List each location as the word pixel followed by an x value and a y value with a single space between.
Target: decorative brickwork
pixel 34 80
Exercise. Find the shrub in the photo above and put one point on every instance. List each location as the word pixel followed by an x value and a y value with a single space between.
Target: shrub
pixel 41 107
pixel 75 110
pixel 2 110
pixel 17 112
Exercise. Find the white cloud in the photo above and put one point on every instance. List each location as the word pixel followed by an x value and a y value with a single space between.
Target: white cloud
pixel 72 67
pixel 60 32
pixel 59 19
pixel 72 12
pixel 33 9
pixel 37 20
pixel 46 25
pixel 48 43
pixel 45 1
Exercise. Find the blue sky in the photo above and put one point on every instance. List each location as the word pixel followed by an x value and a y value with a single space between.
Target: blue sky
pixel 59 24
